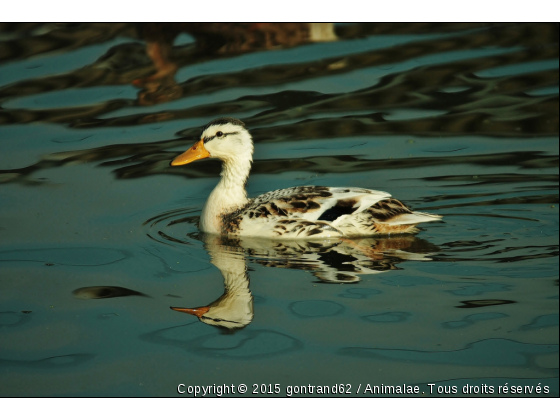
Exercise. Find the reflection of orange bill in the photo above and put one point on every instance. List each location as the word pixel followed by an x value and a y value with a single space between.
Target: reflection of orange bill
pixel 197 152
pixel 195 311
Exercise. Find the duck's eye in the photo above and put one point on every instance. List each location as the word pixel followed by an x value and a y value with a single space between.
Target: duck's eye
pixel 219 134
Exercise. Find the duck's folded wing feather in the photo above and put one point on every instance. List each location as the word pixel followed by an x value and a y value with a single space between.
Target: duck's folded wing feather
pixel 313 203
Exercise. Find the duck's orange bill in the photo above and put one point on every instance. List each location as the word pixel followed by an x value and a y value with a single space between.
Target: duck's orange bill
pixel 197 152
pixel 195 311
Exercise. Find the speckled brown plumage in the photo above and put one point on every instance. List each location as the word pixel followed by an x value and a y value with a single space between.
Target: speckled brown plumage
pixel 231 222
pixel 383 228
pixel 385 210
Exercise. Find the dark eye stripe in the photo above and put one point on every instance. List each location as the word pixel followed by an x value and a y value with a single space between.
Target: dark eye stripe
pixel 207 139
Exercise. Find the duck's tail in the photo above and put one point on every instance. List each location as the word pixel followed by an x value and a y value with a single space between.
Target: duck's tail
pixel 413 218
pixel 387 216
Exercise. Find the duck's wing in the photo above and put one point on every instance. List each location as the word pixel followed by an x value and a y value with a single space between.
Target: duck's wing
pixel 314 203
pixel 299 211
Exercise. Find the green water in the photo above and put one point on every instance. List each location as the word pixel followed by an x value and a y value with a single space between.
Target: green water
pixel 99 237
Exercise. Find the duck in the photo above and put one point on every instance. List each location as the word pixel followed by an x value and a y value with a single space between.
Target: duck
pixel 292 213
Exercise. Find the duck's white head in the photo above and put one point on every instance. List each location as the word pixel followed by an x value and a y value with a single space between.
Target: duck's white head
pixel 226 139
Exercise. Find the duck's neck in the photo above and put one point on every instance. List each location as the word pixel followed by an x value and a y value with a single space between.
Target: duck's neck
pixel 228 196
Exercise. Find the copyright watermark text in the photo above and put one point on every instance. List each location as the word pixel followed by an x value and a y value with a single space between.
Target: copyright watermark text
pixel 359 389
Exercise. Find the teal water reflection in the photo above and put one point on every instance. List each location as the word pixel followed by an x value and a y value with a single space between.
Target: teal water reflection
pixel 99 237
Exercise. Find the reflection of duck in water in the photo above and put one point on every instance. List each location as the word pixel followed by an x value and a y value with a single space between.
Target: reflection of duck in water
pixel 298 212
pixel 330 260
pixel 234 309
pixel 338 260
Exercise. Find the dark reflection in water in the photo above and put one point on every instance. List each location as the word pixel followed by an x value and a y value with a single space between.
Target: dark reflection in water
pixel 105 292
pixel 459 99
pixel 468 304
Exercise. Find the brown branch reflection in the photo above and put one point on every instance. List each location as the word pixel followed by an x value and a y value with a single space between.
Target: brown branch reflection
pixel 227 38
